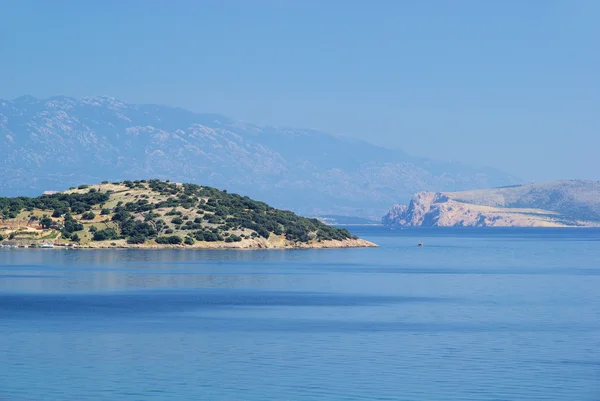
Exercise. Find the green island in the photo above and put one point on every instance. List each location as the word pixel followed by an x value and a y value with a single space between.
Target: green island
pixel 160 214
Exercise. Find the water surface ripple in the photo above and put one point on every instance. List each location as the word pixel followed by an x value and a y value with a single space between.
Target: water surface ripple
pixel 508 314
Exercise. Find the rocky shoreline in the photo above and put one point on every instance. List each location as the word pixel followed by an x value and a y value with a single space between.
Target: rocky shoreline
pixel 256 244
pixel 553 204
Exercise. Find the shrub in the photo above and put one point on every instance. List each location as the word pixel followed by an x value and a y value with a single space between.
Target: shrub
pixel 177 220
pixel 172 240
pixel 83 187
pixel 59 211
pixel 46 222
pixel 136 239
pixel 78 207
pixel 106 234
pixel 104 212
pixel 189 241
pixel 233 238
pixel 70 225
pixel 88 216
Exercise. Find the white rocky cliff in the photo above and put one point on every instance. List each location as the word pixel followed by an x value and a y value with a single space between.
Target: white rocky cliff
pixel 552 204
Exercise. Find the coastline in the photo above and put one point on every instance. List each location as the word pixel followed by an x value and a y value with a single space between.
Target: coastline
pixel 496 227
pixel 256 244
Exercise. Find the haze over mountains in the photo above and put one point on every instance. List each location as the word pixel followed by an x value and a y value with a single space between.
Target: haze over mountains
pixel 548 204
pixel 55 143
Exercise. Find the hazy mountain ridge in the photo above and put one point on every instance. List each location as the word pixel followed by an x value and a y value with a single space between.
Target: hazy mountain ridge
pixel 556 203
pixel 59 142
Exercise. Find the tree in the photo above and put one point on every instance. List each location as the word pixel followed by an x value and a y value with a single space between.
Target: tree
pixel 106 234
pixel 88 216
pixel 59 211
pixel 79 207
pixel 137 231
pixel 173 240
pixel 46 222
pixel 1 237
pixel 136 239
pixel 70 225
pixel 75 238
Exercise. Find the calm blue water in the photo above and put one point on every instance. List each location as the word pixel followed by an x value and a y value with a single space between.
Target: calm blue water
pixel 505 314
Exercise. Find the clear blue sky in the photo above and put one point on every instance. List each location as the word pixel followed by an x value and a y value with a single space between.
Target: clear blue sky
pixel 513 84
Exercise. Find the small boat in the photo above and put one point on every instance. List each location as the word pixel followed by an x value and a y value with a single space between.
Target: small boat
pixel 46 245
pixel 420 244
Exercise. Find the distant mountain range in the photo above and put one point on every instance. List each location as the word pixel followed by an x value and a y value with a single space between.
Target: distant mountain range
pixel 549 204
pixel 55 143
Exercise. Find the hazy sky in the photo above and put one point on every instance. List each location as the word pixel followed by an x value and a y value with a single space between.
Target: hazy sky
pixel 513 84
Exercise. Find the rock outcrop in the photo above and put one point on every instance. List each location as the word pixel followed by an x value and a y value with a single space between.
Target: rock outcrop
pixel 551 204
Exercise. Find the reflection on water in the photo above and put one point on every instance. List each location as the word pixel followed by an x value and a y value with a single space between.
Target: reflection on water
pixel 472 315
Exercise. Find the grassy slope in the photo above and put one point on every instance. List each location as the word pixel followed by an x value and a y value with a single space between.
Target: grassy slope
pixel 241 218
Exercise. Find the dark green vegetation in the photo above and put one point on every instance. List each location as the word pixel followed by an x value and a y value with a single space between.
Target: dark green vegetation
pixel 166 213
pixel 60 204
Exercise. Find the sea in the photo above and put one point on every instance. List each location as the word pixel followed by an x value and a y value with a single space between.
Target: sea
pixel 473 314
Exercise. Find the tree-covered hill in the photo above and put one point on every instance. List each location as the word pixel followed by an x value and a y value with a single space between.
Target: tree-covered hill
pixel 154 212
